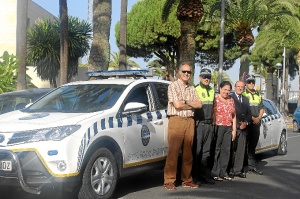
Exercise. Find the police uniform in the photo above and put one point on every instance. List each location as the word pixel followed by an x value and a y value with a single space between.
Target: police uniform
pixel 204 131
pixel 255 102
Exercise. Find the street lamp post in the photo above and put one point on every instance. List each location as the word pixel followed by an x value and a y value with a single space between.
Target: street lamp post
pixel 221 53
pixel 279 67
pixel 283 84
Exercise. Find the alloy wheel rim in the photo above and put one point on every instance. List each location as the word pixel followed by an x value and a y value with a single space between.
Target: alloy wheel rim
pixel 102 175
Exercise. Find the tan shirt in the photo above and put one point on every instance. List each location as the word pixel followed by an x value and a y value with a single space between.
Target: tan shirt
pixel 178 91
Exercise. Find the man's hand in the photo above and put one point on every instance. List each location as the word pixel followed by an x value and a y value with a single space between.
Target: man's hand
pixel 243 125
pixel 256 120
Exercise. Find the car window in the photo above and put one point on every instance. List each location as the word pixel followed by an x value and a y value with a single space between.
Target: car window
pixel 269 109
pixel 162 93
pixel 79 98
pixel 140 94
pixel 10 103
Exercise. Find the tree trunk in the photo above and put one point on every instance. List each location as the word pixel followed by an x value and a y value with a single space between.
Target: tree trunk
pixel 64 39
pixel 123 32
pixel 187 44
pixel 100 50
pixel 22 9
pixel 244 65
pixel 269 86
pixel 298 60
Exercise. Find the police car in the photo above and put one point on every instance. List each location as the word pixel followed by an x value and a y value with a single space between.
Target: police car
pixel 273 132
pixel 86 134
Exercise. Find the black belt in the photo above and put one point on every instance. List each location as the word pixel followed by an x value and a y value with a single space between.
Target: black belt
pixel 206 121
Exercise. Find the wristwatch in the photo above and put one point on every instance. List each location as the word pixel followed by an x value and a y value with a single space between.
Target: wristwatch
pixel 184 101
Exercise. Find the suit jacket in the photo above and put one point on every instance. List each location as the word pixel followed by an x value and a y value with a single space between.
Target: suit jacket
pixel 242 110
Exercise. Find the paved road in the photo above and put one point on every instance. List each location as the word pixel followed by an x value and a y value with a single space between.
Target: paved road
pixel 281 180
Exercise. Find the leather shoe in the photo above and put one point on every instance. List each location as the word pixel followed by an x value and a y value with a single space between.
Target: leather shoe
pixel 255 171
pixel 231 175
pixel 241 175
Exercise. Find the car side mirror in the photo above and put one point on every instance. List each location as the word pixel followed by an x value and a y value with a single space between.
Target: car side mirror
pixel 134 107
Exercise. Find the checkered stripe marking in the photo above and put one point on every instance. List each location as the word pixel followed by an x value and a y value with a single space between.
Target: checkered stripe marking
pixel 108 123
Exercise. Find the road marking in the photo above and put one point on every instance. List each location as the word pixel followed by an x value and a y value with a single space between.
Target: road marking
pixel 294 136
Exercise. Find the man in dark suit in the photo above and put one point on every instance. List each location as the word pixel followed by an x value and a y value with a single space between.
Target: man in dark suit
pixel 243 118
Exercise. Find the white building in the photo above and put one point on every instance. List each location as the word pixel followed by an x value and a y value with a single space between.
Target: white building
pixel 9 28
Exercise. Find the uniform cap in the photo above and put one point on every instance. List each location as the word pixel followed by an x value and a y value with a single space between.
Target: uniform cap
pixel 205 71
pixel 250 78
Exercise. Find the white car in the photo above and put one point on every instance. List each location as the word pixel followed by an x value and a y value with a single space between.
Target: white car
pixel 273 133
pixel 86 134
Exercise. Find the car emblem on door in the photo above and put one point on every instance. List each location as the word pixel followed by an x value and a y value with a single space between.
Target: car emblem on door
pixel 145 134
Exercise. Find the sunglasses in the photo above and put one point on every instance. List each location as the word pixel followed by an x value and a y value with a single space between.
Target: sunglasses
pixel 206 76
pixel 250 82
pixel 186 71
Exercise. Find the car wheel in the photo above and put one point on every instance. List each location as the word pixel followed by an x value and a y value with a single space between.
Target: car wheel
pixel 100 176
pixel 282 149
pixel 295 126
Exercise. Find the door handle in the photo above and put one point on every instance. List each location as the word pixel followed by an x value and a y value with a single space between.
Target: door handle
pixel 160 122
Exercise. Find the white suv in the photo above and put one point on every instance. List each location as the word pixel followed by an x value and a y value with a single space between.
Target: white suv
pixel 86 134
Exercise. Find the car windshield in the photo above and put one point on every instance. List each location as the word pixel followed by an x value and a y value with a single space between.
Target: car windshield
pixel 79 99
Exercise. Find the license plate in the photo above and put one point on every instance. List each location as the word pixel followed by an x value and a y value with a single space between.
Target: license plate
pixel 5 165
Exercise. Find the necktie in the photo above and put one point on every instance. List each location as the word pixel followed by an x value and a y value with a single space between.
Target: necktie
pixel 240 98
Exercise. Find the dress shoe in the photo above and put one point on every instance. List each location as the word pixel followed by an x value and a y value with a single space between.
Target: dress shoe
pixel 231 175
pixel 241 175
pixel 255 171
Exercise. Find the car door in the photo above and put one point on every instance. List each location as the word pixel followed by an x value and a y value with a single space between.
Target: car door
pixel 266 127
pixel 161 91
pixel 277 123
pixel 296 117
pixel 143 142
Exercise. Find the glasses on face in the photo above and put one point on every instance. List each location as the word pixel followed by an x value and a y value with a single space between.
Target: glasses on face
pixel 206 76
pixel 250 82
pixel 186 71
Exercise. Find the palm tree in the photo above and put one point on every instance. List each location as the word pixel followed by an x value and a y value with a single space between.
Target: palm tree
pixel 215 78
pixel 44 47
pixel 242 16
pixel 22 8
pixel 115 61
pixel 100 50
pixel 123 32
pixel 64 39
pixel 189 13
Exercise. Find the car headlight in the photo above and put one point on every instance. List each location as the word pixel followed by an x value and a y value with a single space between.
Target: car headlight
pixel 54 133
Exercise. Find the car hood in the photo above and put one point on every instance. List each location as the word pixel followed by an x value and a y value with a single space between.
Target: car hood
pixel 18 120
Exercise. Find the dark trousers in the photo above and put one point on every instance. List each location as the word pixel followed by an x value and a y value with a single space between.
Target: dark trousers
pixel 201 149
pixel 222 151
pixel 238 151
pixel 253 136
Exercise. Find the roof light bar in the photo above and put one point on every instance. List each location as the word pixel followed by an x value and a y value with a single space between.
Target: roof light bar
pixel 118 73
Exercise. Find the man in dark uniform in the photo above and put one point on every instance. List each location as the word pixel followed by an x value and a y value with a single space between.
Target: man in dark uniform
pixel 204 129
pixel 257 111
pixel 243 119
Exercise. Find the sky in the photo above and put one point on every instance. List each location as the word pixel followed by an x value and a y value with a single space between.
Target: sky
pixel 79 8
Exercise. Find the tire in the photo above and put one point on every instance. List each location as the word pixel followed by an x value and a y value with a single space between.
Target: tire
pixel 100 176
pixel 282 149
pixel 295 126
